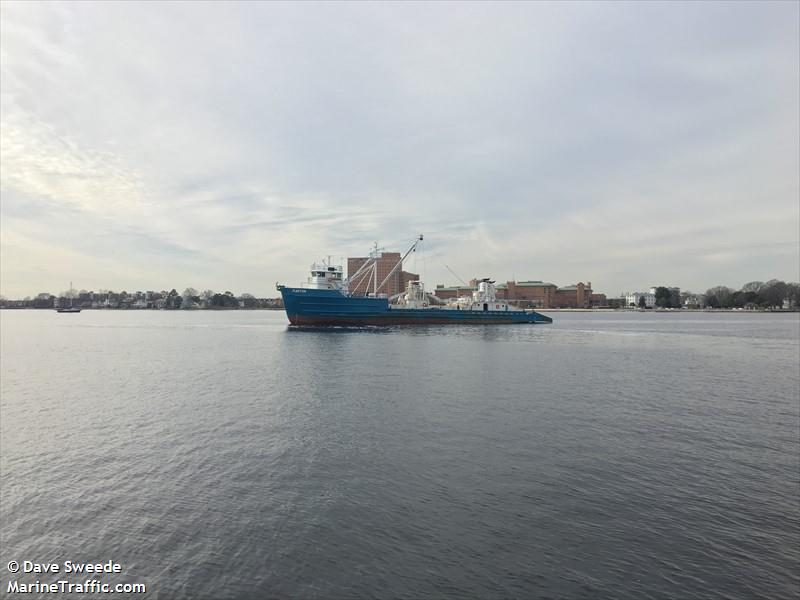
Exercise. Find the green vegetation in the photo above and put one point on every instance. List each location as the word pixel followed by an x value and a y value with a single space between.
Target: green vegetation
pixel 668 297
pixel 172 300
pixel 755 294
pixel 226 300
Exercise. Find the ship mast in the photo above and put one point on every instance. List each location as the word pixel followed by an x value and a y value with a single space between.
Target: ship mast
pixel 399 262
pixel 369 270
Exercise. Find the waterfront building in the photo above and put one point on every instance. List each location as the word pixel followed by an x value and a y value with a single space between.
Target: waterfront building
pixel 616 302
pixel 598 300
pixel 539 294
pixel 632 299
pixel 574 296
pixel 386 261
pixel 695 301
pixel 534 294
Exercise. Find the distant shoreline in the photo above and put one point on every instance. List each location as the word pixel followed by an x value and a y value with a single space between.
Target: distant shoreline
pixel 673 310
pixel 87 308
pixel 565 310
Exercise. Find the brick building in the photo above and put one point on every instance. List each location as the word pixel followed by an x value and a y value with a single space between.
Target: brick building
pixel 574 296
pixel 386 261
pixel 538 294
pixel 598 300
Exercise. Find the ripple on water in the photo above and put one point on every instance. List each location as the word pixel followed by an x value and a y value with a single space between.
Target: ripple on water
pixel 225 456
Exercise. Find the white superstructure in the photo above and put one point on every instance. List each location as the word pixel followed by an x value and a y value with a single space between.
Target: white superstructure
pixel 325 276
pixel 414 296
pixel 483 299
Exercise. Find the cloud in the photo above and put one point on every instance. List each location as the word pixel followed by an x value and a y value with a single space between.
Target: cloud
pixel 229 145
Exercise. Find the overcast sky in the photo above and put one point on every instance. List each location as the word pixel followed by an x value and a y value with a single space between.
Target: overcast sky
pixel 227 146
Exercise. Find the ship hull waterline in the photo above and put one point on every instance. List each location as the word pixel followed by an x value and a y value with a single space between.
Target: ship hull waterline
pixel 312 307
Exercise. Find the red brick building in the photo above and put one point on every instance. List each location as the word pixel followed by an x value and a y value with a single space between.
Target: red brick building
pixel 386 262
pixel 528 293
pixel 597 300
pixel 537 294
pixel 577 296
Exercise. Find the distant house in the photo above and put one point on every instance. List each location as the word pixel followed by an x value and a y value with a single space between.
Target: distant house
pixel 632 300
pixel 695 301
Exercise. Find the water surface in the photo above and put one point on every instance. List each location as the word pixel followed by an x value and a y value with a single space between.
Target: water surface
pixel 222 455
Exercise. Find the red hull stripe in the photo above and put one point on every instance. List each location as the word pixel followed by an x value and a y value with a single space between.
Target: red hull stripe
pixel 397 320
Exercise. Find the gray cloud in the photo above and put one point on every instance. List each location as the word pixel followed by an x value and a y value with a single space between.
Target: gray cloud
pixel 237 142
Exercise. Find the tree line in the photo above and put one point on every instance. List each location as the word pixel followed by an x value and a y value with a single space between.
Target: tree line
pixel 756 294
pixel 219 300
pixel 171 300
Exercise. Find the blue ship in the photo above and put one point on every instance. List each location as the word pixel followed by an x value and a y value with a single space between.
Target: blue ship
pixel 326 300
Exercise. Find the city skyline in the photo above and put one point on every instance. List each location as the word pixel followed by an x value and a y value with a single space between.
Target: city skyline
pixel 235 144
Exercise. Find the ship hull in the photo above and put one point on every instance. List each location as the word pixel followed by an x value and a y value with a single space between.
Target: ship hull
pixel 312 307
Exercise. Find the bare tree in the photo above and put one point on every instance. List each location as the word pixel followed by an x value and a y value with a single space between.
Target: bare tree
pixel 793 294
pixel 774 292
pixel 720 297
pixel 753 286
pixel 248 300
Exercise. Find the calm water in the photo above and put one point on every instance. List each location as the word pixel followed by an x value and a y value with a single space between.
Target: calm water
pixel 220 455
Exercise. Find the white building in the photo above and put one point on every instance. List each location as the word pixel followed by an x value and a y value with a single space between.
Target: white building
pixel 695 301
pixel 632 299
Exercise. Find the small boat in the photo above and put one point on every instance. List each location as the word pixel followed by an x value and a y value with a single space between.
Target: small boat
pixel 327 299
pixel 70 308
